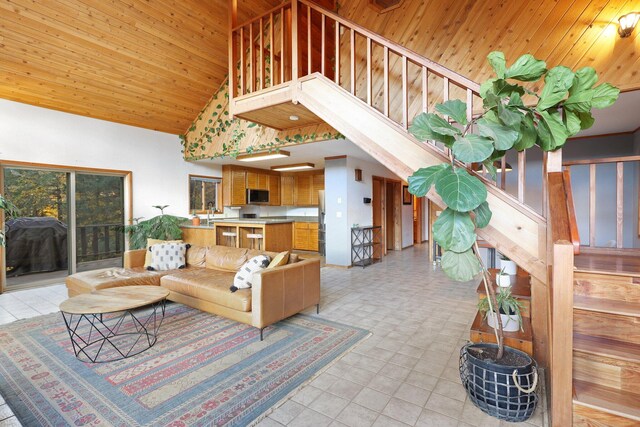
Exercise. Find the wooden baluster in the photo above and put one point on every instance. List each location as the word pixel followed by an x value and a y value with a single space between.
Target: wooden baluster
pixel 445 93
pixel 369 72
pixel 242 65
pixel 545 155
pixel 522 173
pixel 337 71
pixel 619 203
pixel 282 49
pixel 323 53
pixel 470 107
pixel 352 38
pixel 405 93
pixel 272 64
pixel 261 86
pixel 503 174
pixel 425 89
pixel 386 81
pixel 309 51
pixel 252 68
pixel 295 72
pixel 592 205
pixel 233 73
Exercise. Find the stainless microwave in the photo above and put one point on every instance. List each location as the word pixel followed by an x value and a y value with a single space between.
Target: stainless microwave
pixel 257 196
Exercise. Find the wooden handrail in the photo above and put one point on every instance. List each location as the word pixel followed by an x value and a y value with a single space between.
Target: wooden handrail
pixel 602 160
pixel 562 220
pixel 414 57
pixel 266 14
pixel 571 211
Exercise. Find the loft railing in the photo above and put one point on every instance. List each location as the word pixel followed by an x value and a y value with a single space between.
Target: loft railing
pixel 299 38
pixel 600 210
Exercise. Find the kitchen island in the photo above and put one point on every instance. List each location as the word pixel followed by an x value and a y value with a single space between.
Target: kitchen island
pixel 277 233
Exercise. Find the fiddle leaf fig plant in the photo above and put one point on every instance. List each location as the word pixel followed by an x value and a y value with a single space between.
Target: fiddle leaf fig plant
pixel 513 118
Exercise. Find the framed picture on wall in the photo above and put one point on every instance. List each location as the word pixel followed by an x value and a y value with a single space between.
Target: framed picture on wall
pixel 407 199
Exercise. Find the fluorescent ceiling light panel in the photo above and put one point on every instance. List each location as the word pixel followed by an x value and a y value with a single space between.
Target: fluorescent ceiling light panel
pixel 294 167
pixel 263 156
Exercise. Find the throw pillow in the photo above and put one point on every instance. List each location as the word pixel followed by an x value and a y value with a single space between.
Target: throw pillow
pixel 243 277
pixel 168 256
pixel 151 242
pixel 281 259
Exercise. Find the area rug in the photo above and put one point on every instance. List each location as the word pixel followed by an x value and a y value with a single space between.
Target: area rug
pixel 204 370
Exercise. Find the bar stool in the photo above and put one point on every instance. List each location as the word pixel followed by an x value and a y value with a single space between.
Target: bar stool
pixel 255 237
pixel 230 238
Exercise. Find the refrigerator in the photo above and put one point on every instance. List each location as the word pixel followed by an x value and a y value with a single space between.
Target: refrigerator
pixel 322 232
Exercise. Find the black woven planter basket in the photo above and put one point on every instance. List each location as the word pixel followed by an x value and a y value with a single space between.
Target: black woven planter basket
pixel 493 389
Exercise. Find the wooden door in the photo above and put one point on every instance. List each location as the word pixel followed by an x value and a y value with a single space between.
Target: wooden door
pixel 302 190
pixel 274 190
pixel 390 216
pixel 287 184
pixel 417 219
pixel 377 205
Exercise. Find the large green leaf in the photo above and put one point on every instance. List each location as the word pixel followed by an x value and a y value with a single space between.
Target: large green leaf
pixel 461 267
pixel 486 87
pixel 491 168
pixel 552 132
pixel 422 130
pixel 483 215
pixel 455 109
pixel 571 121
pixel 579 101
pixel 461 191
pixel 422 179
pixel 503 137
pixel 556 85
pixel 441 126
pixel 526 69
pixel 604 95
pixel 504 88
pixel 510 116
pixel 498 63
pixel 583 79
pixel 472 148
pixel 528 134
pixel 586 120
pixel 454 230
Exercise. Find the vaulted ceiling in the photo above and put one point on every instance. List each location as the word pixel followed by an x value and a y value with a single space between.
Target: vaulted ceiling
pixel 155 63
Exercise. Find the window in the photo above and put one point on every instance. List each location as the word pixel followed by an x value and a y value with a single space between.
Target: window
pixel 205 192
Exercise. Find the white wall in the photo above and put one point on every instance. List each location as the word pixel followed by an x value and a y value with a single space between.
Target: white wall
pixel 160 176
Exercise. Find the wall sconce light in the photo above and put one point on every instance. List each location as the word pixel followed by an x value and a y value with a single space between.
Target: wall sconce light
pixel 627 23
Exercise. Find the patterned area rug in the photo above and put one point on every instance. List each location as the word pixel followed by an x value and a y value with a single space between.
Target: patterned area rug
pixel 204 370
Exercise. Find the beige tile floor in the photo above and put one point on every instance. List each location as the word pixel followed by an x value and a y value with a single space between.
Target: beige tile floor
pixel 405 373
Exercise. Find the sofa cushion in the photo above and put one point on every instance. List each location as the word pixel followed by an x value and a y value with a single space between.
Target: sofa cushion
pixel 244 276
pixel 104 278
pixel 208 285
pixel 281 259
pixel 196 256
pixel 151 242
pixel 168 256
pixel 226 258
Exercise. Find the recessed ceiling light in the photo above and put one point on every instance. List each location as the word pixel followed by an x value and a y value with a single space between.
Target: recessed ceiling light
pixel 294 167
pixel 263 156
pixel 294 118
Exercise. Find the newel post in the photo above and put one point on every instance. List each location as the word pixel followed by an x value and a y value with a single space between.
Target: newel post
pixel 294 41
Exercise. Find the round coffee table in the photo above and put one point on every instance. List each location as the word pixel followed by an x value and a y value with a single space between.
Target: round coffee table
pixel 116 323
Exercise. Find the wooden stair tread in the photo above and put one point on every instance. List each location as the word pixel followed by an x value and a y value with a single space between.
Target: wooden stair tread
pixel 606 347
pixel 601 305
pixel 607 399
pixel 608 264
pixel 521 289
pixel 480 325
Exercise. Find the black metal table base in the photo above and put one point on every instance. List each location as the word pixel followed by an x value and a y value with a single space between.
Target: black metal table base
pixel 99 338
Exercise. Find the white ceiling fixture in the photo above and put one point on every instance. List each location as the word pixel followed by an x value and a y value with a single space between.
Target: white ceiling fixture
pixel 294 118
pixel 294 167
pixel 255 157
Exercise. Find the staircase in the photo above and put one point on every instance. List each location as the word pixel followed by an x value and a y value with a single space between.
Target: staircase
pixel 332 75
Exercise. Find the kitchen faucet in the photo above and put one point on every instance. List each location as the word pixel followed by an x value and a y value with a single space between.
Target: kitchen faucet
pixel 209 213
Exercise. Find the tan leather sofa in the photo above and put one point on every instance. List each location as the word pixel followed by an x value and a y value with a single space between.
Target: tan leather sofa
pixel 276 294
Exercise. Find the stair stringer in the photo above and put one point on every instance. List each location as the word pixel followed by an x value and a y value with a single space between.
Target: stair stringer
pixel 515 230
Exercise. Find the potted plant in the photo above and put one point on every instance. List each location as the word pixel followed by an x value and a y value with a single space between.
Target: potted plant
pixel 500 380
pixel 509 267
pixel 510 311
pixel 163 227
pixel 503 279
pixel 10 210
pixel 195 219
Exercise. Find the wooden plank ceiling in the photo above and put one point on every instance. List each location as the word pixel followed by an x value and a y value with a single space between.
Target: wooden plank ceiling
pixel 154 64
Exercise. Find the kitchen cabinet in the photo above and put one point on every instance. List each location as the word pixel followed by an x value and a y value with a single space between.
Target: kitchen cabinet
pixel 274 190
pixel 257 181
pixel 303 189
pixel 305 236
pixel 316 185
pixel 238 188
pixel 287 184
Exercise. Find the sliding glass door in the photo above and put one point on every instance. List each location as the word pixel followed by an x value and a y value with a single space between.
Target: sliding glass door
pixel 68 221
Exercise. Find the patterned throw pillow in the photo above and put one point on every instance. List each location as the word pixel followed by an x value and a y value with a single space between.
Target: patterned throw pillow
pixel 168 256
pixel 243 277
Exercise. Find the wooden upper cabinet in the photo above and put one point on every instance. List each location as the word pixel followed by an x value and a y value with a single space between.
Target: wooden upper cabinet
pixel 287 184
pixel 263 181
pixel 303 190
pixel 257 181
pixel 238 188
pixel 274 190
pixel 317 185
pixel 252 180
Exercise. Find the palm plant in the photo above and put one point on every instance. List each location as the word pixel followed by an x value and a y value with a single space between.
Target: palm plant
pixel 10 210
pixel 162 227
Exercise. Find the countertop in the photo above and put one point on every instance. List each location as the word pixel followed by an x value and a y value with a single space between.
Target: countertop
pixel 261 221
